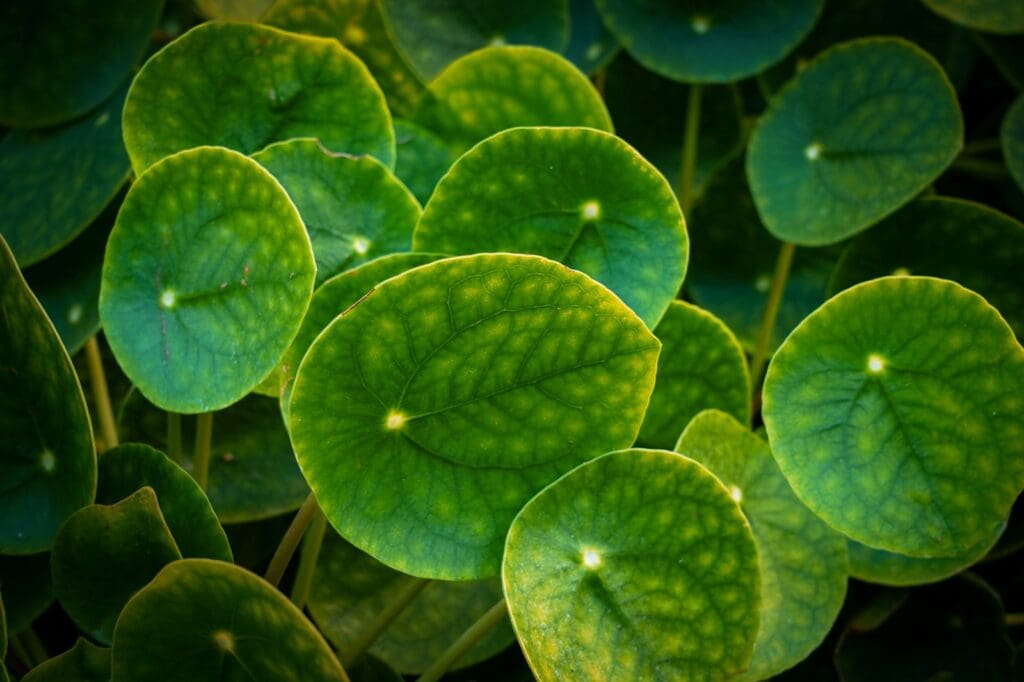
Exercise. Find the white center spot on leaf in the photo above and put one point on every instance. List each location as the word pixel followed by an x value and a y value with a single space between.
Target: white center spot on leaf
pixel 168 299
pixel 224 640
pixel 75 313
pixel 762 283
pixel 48 461
pixel 361 245
pixel 591 559
pixel 591 210
pixel 498 40
pixel 102 119
pixel 700 24
pixel 813 151
pixel 395 421
pixel 876 363
pixel 735 493
pixel 594 51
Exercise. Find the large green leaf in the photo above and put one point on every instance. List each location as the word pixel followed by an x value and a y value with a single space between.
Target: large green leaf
pixel 857 133
pixel 803 561
pixel 359 26
pixel 591 45
pixel 701 366
pixel 463 387
pixel 204 621
pixel 709 41
pixel 972 244
pixel 351 589
pixel 104 554
pixel 207 275
pixel 193 92
pixel 894 411
pixel 54 182
pixel 634 566
pixel 496 88
pixel 434 33
pixel 61 58
pixel 26 589
pixel 889 568
pixel 184 507
pixel 47 458
pixel 996 16
pixel 598 207
pixel 422 158
pixel 84 662
pixel 1012 138
pixel 353 207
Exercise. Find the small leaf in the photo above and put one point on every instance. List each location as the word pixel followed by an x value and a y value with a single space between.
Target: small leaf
pixel 591 45
pixel 84 662
pixel 996 16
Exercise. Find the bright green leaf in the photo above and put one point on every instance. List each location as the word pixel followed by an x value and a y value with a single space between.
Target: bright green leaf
pixel 996 16
pixel 422 158
pixel 84 662
pixel 1012 137
pixel 888 568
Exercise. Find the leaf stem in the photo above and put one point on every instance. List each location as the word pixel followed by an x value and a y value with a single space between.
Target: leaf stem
pixel 384 619
pixel 466 641
pixel 783 264
pixel 174 436
pixel 1015 619
pixel 692 132
pixel 201 454
pixel 283 554
pixel 101 393
pixel 982 145
pixel 18 650
pixel 311 545
pixel 33 646
pixel 982 168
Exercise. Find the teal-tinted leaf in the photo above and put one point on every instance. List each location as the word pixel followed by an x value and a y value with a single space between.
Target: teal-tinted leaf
pixel 895 412
pixel 708 41
pixel 701 366
pixel 497 88
pixel 972 244
pixel 996 16
pixel 206 621
pixel 733 258
pixel 359 26
pixel 435 33
pixel 422 158
pixel 889 568
pixel 952 631
pixel 1012 137
pixel 54 182
pixel 104 554
pixel 591 45
pixel 426 387
pixel 193 93
pixel 856 134
pixel 47 457
pixel 354 208
pixel 84 662
pixel 187 512
pixel 352 588
pixel 598 207
pixel 207 275
pixel 61 58
pixel 233 10
pixel 803 561
pixel 25 588
pixel 634 566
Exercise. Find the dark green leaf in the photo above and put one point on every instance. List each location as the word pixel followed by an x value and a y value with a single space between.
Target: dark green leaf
pixel 1012 136
pixel 591 45
pixel 422 158
pixel 84 662
pixel 996 16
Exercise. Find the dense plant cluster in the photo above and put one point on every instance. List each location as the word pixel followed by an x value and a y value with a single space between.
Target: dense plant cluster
pixel 554 339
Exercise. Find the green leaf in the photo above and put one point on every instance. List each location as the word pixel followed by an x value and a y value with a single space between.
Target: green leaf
pixel 204 621
pixel 60 58
pixel 972 244
pixel 599 207
pixel 591 45
pixel 636 565
pixel 438 417
pixel 895 412
pixel 803 561
pixel 84 662
pixel 889 568
pixel 47 457
pixel 354 208
pixel 184 506
pixel 496 88
pixel 25 588
pixel 701 366
pixel 192 93
pixel 995 16
pixel 208 260
pixel 359 26
pixel 233 10
pixel 422 158
pixel 705 41
pixel 104 554
pixel 856 134
pixel 371 669
pixel 54 182
pixel 434 34
pixel 352 588
pixel 1012 137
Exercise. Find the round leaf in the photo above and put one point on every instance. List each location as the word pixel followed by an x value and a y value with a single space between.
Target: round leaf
pixel 60 58
pixel 193 93
pixel 425 388
pixel 855 135
pixel 47 457
pixel 591 46
pixel 1012 138
pixel 803 561
pixel 598 207
pixel 701 366
pixel 497 88
pixel 895 412
pixel 636 565
pixel 996 16
pixel 706 41
pixel 888 568
pixel 422 158
pixel 204 621
pixel 353 207
pixel 84 662
pixel 208 261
